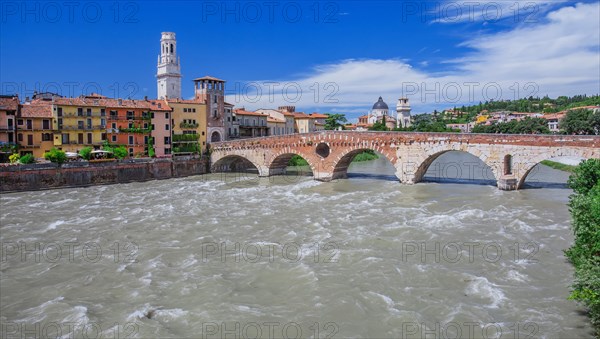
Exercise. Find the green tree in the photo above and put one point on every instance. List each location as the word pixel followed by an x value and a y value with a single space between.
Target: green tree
pixel 27 159
pixel 55 155
pixel 334 121
pixel 86 153
pixel 585 252
pixel 578 121
pixel 120 152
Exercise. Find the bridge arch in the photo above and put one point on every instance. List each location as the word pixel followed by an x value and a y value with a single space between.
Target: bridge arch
pixel 429 159
pixel 526 166
pixel 344 159
pixel 279 162
pixel 235 163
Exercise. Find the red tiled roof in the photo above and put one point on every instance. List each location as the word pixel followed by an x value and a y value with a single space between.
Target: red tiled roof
pixel 186 101
pixel 37 109
pixel 9 103
pixel 113 103
pixel 208 77
pixel 242 112
pixel 318 115
pixel 271 119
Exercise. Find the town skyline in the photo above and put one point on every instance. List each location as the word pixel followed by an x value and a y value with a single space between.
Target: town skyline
pixel 442 62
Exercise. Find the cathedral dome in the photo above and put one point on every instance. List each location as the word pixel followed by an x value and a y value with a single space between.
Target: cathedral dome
pixel 380 104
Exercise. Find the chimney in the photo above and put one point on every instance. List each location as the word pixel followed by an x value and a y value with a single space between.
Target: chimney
pixel 145 98
pixel 120 101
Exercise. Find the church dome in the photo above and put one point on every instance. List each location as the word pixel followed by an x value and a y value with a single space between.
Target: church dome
pixel 380 104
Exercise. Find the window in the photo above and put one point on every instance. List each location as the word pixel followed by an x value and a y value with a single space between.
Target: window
pixel 202 132
pixel 131 139
pixel 166 115
pixel 114 138
pixel 215 99
pixel 103 136
pixel 89 139
pixel 89 112
pixel 167 151
pixel 152 127
pixel 79 111
pixel 20 122
pixel 59 112
pixel 151 115
pixel 20 137
pixel 65 138
pixel 167 140
pixel 131 152
pixel 113 114
pixel 47 137
pixel 194 110
pixel 103 112
pixel 60 123
pixel 80 124
pixel 130 125
pixel 102 123
pixel 166 127
pixel 45 124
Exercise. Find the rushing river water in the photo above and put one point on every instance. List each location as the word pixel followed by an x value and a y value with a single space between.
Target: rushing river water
pixel 234 255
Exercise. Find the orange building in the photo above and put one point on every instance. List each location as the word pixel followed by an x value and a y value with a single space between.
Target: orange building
pixel 129 124
pixel 35 134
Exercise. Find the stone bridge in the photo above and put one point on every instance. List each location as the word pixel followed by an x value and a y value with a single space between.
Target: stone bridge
pixel 329 153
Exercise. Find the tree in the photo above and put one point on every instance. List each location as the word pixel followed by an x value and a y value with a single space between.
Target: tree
pixel 379 125
pixel 55 155
pixel 120 152
pixel 27 159
pixel 86 153
pixel 585 253
pixel 334 121
pixel 578 122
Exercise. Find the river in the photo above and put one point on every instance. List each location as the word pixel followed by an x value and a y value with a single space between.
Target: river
pixel 235 255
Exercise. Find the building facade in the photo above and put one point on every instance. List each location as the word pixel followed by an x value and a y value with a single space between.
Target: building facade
pixel 212 91
pixel 9 107
pixel 36 133
pixel 189 126
pixel 79 122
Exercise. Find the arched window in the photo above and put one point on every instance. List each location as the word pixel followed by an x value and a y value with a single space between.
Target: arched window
pixel 171 48
pixel 507 164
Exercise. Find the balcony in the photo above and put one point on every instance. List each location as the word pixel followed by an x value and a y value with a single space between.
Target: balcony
pixel 7 128
pixel 185 125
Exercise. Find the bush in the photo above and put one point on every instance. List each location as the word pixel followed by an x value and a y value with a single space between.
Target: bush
pixel 27 159
pixel 56 155
pixel 86 153
pixel 120 152
pixel 297 160
pixel 585 253
pixel 14 158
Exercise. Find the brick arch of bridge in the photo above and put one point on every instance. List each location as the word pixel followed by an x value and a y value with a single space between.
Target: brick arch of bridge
pixel 527 163
pixel 278 161
pixel 345 154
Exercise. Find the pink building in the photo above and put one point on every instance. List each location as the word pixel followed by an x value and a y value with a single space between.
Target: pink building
pixel 161 127
pixel 9 106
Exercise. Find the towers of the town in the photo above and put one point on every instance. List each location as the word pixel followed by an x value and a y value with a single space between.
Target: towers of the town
pixel 403 112
pixel 212 91
pixel 169 71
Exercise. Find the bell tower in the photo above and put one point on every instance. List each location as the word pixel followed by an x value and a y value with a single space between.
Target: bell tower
pixel 168 75
pixel 403 112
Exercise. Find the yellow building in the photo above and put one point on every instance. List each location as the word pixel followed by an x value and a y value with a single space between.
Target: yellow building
pixel 79 122
pixel 188 118
pixel 35 128
pixel 481 119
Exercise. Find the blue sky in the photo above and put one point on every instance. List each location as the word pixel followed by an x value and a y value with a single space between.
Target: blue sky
pixel 328 56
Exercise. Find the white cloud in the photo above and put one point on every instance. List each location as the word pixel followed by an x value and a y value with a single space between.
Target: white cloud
pixel 452 12
pixel 560 56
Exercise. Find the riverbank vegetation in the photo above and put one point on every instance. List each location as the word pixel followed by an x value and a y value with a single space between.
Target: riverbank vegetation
pixel 584 205
pixel 559 166
pixel 367 155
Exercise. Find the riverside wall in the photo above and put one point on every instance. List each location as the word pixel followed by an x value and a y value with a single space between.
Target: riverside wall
pixel 33 177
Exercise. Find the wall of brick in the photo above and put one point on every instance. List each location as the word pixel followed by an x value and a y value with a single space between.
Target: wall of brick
pixel 46 176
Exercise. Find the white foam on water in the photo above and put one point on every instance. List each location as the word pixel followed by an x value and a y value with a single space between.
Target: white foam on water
pixel 481 287
pixel 53 225
pixel 514 275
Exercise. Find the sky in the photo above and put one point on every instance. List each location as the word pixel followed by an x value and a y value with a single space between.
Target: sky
pixel 325 56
